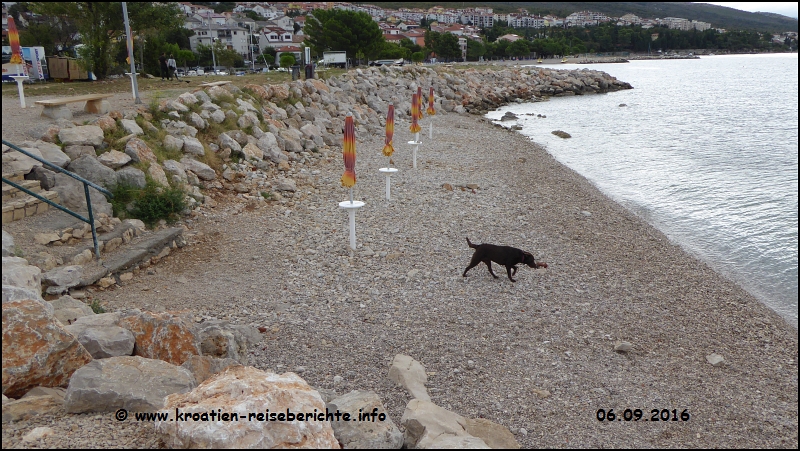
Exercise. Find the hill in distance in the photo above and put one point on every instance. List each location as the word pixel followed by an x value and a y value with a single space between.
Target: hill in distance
pixel 717 16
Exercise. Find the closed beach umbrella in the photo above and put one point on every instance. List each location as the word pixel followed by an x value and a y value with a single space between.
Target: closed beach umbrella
pixel 415 110
pixel 431 111
pixel 349 152
pixel 13 39
pixel 388 149
pixel 419 99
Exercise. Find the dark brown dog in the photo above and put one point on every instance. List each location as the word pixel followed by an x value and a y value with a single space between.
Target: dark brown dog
pixel 506 256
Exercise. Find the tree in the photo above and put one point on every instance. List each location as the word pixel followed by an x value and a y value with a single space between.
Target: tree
pixel 417 57
pixel 475 50
pixel 518 48
pixel 287 60
pixel 341 30
pixel 100 25
pixel 227 57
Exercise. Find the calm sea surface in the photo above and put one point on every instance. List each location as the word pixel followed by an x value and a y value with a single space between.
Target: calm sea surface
pixel 705 150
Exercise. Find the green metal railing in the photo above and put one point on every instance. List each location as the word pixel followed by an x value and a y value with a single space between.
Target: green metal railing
pixel 86 185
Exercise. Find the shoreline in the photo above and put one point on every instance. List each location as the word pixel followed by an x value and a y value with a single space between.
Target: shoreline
pixel 542 347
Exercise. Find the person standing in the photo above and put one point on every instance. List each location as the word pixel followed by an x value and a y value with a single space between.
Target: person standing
pixel 162 60
pixel 173 68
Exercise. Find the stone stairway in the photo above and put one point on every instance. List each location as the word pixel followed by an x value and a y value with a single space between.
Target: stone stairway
pixel 18 205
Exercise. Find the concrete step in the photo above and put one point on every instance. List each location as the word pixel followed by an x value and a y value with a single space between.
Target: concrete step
pixel 25 206
pixel 15 177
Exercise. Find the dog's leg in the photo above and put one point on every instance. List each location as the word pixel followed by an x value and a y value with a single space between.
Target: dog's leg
pixel 514 271
pixel 473 263
pixel 508 269
pixel 489 265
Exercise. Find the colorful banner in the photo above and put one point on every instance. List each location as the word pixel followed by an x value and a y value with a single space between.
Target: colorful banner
pixel 431 111
pixel 388 148
pixel 349 152
pixel 415 110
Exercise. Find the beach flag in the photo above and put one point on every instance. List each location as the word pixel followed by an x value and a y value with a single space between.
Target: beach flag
pixel 349 152
pixel 419 99
pixel 431 111
pixel 13 40
pixel 388 149
pixel 415 111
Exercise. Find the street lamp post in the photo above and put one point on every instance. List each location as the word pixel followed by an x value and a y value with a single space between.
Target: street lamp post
pixel 252 61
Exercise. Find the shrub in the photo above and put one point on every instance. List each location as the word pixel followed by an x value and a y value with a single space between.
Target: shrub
pixel 96 307
pixel 150 204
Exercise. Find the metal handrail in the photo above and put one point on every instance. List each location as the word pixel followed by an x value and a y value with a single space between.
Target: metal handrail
pixel 86 185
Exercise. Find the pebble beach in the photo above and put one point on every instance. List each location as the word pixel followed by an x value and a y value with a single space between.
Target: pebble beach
pixel 537 356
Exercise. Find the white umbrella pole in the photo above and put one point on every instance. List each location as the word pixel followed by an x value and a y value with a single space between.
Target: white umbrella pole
pixel 19 78
pixel 352 214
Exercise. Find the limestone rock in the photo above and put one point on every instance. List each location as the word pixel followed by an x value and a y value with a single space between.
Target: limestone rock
pixel 71 194
pixel 246 389
pixel 85 135
pixel 106 341
pixel 495 435
pixel 53 154
pixel 93 170
pixel 425 422
pixel 76 151
pixel 193 146
pixel 373 434
pixel 131 126
pixel 202 170
pixel 203 367
pixel 36 349
pixel 132 176
pixel 67 310
pixel 252 152
pixel 162 336
pixel 133 383
pixel 175 169
pixel 14 161
pixel 114 159
pixel 29 407
pixel 59 280
pixel 8 244
pixel 223 340
pixel 158 175
pixel 411 375
pixel 17 272
pixel 139 151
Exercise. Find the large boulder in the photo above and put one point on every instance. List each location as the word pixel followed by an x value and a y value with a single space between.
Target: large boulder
pixel 133 383
pixel 85 135
pixel 114 159
pixel 17 272
pixel 68 309
pixel 205 366
pixel 53 153
pixel 410 374
pixel 139 151
pixel 202 170
pixel 269 146
pixel 162 336
pixel 36 349
pixel 425 423
pixel 223 340
pixel 377 433
pixel 17 162
pixel 132 176
pixel 71 194
pixel 241 389
pixel 94 171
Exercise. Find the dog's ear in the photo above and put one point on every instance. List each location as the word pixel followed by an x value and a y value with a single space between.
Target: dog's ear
pixel 529 260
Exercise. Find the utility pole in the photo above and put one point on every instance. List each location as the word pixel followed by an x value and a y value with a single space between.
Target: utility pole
pixel 213 57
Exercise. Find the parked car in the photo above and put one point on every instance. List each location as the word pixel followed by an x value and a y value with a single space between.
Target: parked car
pixel 240 73
pixel 180 72
pixel 191 73
pixel 200 71
pixel 221 72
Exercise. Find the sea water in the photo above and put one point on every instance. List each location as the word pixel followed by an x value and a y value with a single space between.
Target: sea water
pixel 703 149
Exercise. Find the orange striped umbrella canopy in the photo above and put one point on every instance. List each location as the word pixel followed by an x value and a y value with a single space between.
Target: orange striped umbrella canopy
pixel 388 149
pixel 431 111
pixel 415 110
pixel 419 99
pixel 349 152
pixel 13 39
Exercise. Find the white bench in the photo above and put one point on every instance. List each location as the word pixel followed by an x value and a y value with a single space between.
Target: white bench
pixel 57 108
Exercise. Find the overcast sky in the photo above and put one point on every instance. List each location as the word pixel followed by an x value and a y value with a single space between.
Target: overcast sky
pixel 785 8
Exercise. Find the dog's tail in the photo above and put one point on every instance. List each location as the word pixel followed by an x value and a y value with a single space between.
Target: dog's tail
pixel 474 246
